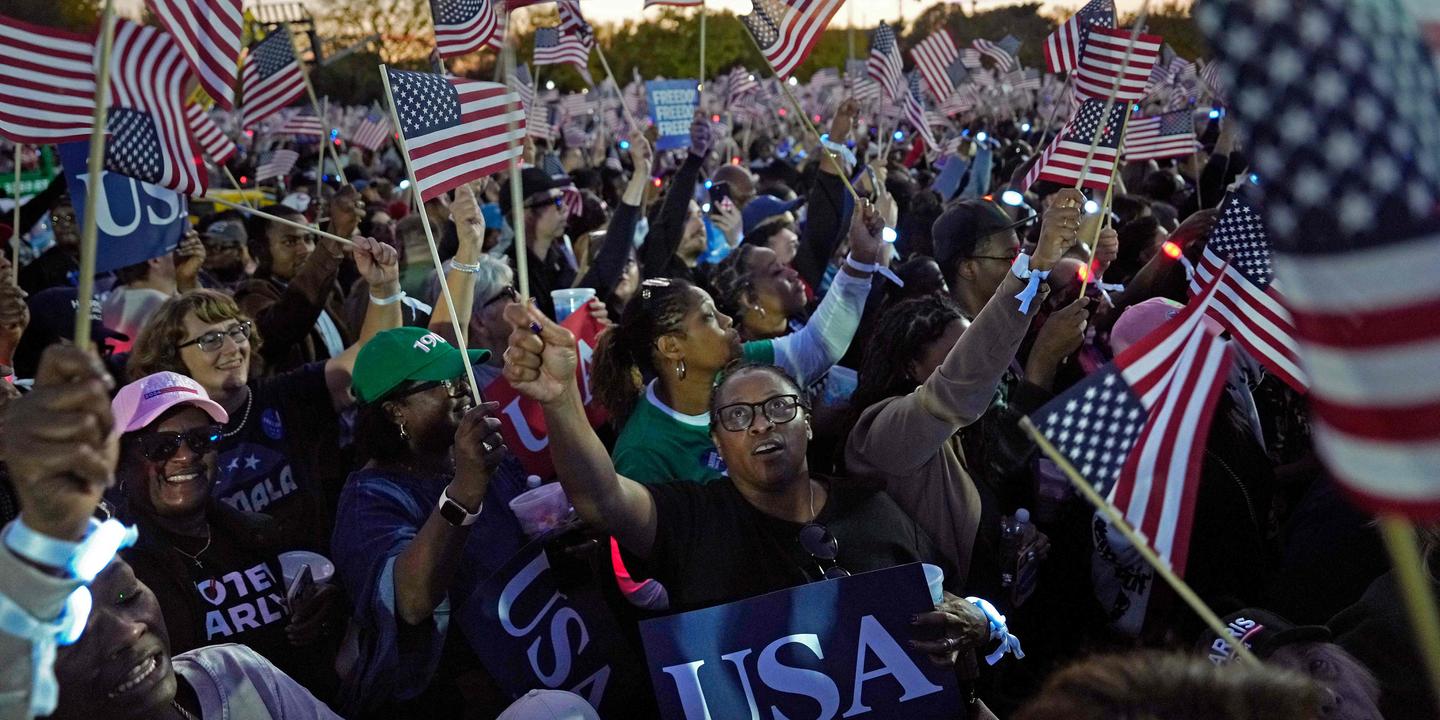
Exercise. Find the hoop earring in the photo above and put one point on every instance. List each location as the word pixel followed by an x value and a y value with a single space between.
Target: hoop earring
pixel 680 369
pixel 403 434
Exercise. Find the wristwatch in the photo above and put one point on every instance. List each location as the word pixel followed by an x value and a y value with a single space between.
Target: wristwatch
pixel 455 513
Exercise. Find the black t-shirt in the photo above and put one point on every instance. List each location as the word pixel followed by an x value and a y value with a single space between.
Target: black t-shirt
pixel 270 464
pixel 713 547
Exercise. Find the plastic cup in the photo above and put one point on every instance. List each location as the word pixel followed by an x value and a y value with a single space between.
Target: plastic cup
pixel 541 509
pixel 569 300
pixel 936 578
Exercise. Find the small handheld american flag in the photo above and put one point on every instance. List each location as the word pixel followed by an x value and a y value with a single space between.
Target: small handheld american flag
pixel 463 27
pixel 933 57
pixel 271 79
pixel 885 65
pixel 787 34
pixel 1063 47
pixel 1064 159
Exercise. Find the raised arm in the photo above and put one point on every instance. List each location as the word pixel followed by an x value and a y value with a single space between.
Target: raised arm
pixel 287 320
pixel 540 364
pixel 470 227
pixel 615 249
pixel 379 264
pixel 669 228
pixel 828 202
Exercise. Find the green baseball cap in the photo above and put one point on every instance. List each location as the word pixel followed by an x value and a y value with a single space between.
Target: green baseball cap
pixel 408 353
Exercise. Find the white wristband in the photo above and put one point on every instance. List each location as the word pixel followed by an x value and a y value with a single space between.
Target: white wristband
pixel 80 560
pixel 397 297
pixel 471 268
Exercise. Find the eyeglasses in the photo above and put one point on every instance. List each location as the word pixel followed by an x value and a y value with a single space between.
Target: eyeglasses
pixel 454 387
pixel 820 543
pixel 215 339
pixel 738 417
pixel 161 446
pixel 507 292
pixel 558 202
pixel 1014 253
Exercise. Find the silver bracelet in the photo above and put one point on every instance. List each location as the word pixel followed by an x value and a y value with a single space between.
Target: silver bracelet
pixel 397 297
pixel 471 268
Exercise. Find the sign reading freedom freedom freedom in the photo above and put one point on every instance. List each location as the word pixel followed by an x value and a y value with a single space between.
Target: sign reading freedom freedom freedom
pixel 672 107
pixel 839 644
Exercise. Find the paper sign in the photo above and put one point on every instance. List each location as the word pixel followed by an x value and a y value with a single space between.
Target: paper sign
pixel 839 646
pixel 672 108
pixel 135 220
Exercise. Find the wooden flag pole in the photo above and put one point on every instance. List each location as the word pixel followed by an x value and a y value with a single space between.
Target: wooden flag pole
pixel 1399 536
pixel 844 176
pixel 1112 514
pixel 517 193
pixel 701 87
pixel 1104 220
pixel 347 242
pixel 320 172
pixel 629 118
pixel 89 230
pixel 15 230
pixel 315 105
pixel 1110 99
pixel 430 237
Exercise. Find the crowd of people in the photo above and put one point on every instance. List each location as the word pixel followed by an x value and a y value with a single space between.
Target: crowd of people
pixel 797 384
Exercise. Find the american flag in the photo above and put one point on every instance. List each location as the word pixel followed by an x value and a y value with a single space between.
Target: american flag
pixel 463 27
pixel 47 83
pixel 212 139
pixel 1209 77
pixel 208 32
pixel 301 124
pixel 915 113
pixel 1249 304
pixel 1063 47
pixel 933 57
pixel 885 65
pixel 553 47
pixel 1136 427
pixel 149 138
pixel 538 125
pixel 739 83
pixel 577 104
pixel 1160 136
pixel 1002 53
pixel 372 132
pixel 523 84
pixel 271 79
pixel 1355 137
pixel 970 58
pixel 1105 56
pixel 455 130
pixel 571 21
pixel 278 165
pixel 786 35
pixel 963 100
pixel 1064 157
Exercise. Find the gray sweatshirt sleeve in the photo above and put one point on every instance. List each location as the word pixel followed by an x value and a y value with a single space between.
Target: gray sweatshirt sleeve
pixel 809 353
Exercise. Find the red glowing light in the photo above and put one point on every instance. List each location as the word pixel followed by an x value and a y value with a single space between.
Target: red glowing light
pixel 244 179
pixel 781 111
pixel 816 118
pixel 655 182
pixel 735 160
pixel 1171 250
pixel 715 118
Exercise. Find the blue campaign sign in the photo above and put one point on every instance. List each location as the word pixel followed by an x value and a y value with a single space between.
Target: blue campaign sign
pixel 839 645
pixel 672 107
pixel 531 634
pixel 135 220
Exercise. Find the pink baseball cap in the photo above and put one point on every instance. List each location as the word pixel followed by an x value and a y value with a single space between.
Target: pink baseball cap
pixel 140 402
pixel 1143 318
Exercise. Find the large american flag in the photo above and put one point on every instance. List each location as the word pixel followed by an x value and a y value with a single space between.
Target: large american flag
pixel 455 130
pixel 915 113
pixel 885 65
pixel 1352 141
pixel 786 35
pixel 271 79
pixel 277 165
pixel 1002 52
pixel 553 47
pixel 1064 158
pixel 372 132
pixel 933 57
pixel 212 139
pixel 1136 427
pixel 463 27
pixel 1063 47
pixel 208 32
pixel 1104 58
pixel 1154 137
pixel 1248 304
pixel 47 83
pixel 149 137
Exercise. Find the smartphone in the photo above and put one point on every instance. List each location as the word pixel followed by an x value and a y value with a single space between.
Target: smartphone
pixel 301 588
pixel 718 192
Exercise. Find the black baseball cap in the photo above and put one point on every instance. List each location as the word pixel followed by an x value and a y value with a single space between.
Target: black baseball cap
pixel 533 181
pixel 1261 631
pixel 961 228
pixel 52 319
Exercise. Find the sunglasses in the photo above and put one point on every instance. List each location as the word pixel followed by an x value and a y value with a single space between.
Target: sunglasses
pixel 558 202
pixel 508 291
pixel 820 543
pixel 215 339
pixel 161 446
pixel 738 417
pixel 455 387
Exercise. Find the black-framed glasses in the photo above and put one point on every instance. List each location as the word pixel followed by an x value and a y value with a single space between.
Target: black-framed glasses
pixel 454 387
pixel 823 548
pixel 215 339
pixel 738 417
pixel 161 446
pixel 508 291
pixel 1014 253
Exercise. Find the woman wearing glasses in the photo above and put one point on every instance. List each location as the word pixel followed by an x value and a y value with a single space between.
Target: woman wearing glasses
pixel 215 570
pixel 771 525
pixel 282 440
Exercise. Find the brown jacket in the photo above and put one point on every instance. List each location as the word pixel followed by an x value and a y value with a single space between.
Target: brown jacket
pixel 910 442
pixel 285 314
